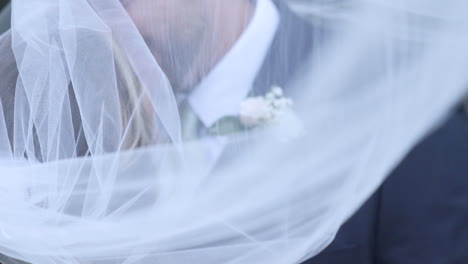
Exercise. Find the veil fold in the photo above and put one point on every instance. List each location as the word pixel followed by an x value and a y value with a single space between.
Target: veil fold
pixel 79 81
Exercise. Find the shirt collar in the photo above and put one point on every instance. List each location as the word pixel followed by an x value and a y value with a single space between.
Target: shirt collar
pixel 229 83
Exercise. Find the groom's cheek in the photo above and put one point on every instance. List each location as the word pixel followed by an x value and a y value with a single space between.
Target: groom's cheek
pixel 157 20
pixel 146 14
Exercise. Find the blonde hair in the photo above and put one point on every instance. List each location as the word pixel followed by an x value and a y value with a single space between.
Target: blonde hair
pixel 138 119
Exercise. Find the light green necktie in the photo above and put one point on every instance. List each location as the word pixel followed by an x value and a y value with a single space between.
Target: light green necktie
pixel 190 124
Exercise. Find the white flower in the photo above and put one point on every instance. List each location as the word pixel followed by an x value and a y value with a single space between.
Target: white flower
pixel 254 111
pixel 270 97
pixel 273 110
pixel 277 91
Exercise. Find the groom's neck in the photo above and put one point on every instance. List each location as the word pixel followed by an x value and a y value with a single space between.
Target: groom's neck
pixel 228 20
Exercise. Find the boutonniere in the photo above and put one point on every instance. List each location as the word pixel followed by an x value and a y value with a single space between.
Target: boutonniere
pixel 264 110
pixel 273 110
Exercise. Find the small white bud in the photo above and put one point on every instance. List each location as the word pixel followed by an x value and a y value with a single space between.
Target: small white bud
pixel 277 91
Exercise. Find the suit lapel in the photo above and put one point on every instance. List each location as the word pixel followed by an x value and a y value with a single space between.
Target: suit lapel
pixel 289 50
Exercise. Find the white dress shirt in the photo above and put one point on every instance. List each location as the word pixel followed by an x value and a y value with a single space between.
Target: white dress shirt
pixel 229 83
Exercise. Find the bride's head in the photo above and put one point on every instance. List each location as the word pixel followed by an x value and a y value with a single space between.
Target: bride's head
pixel 188 37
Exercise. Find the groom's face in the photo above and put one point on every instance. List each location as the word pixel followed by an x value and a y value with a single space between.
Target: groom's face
pixel 174 31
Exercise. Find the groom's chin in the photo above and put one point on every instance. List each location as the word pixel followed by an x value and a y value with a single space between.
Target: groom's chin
pixel 183 83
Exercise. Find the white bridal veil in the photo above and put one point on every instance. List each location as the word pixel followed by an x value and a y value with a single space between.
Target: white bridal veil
pixel 93 168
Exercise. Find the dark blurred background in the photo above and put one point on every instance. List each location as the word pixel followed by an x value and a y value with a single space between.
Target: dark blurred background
pixel 4 16
pixel 3 3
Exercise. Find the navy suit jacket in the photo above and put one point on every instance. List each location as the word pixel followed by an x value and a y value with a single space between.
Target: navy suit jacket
pixel 420 214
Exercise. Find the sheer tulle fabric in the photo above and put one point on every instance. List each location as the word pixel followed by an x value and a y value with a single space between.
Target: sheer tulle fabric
pixel 387 76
